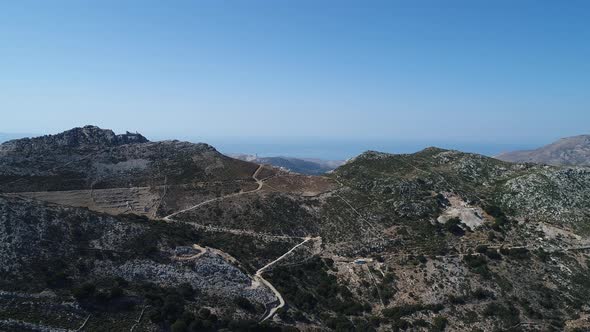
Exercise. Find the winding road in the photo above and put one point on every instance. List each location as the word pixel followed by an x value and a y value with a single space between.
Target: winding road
pixel 258 276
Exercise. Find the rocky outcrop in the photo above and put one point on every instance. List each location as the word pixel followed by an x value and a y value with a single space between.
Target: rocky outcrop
pixel 90 137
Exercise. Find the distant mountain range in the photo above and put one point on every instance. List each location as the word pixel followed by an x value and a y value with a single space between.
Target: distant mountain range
pixel 307 166
pixel 569 151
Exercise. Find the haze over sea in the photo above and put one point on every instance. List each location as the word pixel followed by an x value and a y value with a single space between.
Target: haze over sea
pixel 342 149
pixel 329 149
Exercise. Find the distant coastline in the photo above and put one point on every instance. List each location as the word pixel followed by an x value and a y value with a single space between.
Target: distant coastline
pixel 329 149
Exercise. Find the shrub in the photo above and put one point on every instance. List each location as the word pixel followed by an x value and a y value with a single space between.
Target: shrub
pixel 178 326
pixel 493 254
pixel 85 291
pixel 439 323
pixel 477 264
pixel 115 292
pixel 508 314
pixel 453 226
pixel 245 304
pixel 482 294
pixel 482 248
pixel 517 253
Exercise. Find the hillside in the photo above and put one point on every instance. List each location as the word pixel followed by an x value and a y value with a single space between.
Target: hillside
pixel 431 241
pixel 111 269
pixel 95 168
pixel 570 151
pixel 428 239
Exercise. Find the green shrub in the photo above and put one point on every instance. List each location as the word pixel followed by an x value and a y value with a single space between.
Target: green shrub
pixel 517 253
pixel 508 314
pixel 84 291
pixel 482 294
pixel 493 254
pixel 453 226
pixel 482 248
pixel 439 323
pixel 179 326
pixel 501 221
pixel 477 264
pixel 245 304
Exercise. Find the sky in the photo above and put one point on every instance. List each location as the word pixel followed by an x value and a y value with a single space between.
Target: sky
pixel 475 73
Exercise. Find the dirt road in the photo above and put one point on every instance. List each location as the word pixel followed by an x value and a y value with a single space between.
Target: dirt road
pixel 254 176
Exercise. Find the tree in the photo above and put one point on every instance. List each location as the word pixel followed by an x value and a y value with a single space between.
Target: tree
pixel 178 326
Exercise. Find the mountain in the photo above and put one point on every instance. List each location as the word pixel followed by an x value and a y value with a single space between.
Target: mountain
pixel 572 151
pixel 307 166
pixel 95 168
pixel 438 240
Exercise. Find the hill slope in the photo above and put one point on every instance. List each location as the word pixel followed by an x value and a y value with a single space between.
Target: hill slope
pixel 425 238
pixel 95 168
pixel 93 157
pixel 567 151
pixel 113 268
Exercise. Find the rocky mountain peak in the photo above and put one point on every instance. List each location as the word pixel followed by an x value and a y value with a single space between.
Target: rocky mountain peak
pixel 87 136
pixel 93 135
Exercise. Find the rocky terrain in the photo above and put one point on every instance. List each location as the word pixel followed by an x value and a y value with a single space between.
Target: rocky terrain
pixel 570 151
pixel 438 240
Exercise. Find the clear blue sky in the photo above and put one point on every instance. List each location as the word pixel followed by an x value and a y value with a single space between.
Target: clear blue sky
pixel 438 71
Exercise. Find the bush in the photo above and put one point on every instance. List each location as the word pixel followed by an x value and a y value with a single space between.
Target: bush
pixel 453 225
pixel 85 291
pixel 179 326
pixel 482 248
pixel 493 254
pixel 115 292
pixel 439 323
pixel 245 304
pixel 482 294
pixel 517 253
pixel 508 314
pixel 501 221
pixel 477 264
pixel 454 299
